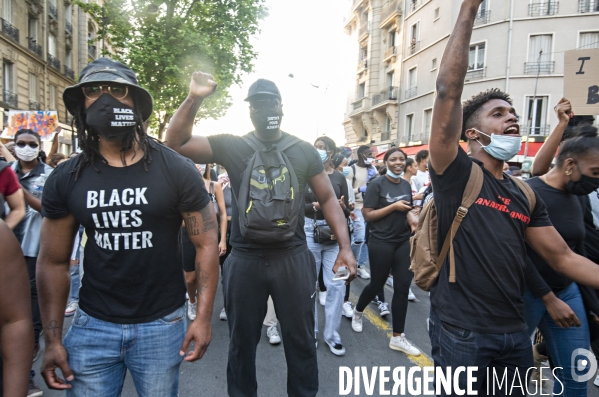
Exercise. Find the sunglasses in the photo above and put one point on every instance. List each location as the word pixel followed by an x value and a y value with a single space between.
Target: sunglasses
pixel 93 91
pixel 269 104
pixel 32 145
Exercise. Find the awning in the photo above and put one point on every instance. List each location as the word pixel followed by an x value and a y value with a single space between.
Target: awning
pixel 533 148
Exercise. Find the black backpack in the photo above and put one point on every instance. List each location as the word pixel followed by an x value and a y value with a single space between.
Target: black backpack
pixel 268 201
pixel 3 165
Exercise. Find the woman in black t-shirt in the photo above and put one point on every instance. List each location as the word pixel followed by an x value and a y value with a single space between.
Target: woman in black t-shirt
pixel 386 204
pixel 576 174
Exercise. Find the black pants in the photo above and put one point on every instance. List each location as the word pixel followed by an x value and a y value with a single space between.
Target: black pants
pixel 385 258
pixel 35 307
pixel 289 276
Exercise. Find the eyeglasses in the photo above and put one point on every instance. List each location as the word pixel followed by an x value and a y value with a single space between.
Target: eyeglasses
pixel 93 91
pixel 269 104
pixel 32 145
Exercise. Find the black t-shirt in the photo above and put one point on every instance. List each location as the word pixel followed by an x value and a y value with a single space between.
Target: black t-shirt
pixel 132 219
pixel 490 252
pixel 339 187
pixel 381 193
pixel 566 214
pixel 234 153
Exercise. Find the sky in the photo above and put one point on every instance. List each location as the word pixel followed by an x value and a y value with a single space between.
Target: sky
pixel 305 39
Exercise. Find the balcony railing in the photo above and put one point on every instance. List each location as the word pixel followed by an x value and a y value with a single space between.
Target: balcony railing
pixel 11 99
pixel 34 47
pixel 388 94
pixel 414 47
pixel 9 30
pixel 68 27
pixel 414 4
pixel 411 92
pixel 34 105
pixel 542 9
pixel 389 52
pixel 476 74
pixel 358 104
pixel 534 130
pixel 91 49
pixel 585 6
pixel 363 64
pixel 69 72
pixel 364 29
pixel 482 18
pixel 54 62
pixel 385 135
pixel 539 67
pixel 52 11
pixel 392 8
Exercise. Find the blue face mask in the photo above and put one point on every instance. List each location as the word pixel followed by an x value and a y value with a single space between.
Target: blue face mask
pixel 346 171
pixel 323 155
pixel 502 147
pixel 392 175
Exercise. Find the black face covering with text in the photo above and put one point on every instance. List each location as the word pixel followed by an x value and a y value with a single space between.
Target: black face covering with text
pixel 267 122
pixel 110 118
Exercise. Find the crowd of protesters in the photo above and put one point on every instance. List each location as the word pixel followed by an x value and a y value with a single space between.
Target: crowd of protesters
pixel 83 228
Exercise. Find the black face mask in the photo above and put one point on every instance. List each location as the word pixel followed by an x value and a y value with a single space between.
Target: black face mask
pixel 267 121
pixel 583 186
pixel 110 118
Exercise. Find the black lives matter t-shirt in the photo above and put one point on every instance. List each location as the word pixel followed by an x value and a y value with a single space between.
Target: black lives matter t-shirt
pixel 381 193
pixel 234 153
pixel 132 219
pixel 490 252
pixel 566 214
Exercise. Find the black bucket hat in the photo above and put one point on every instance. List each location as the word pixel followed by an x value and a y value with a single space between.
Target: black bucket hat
pixel 109 71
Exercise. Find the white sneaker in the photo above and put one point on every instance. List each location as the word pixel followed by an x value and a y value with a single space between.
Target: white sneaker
pixel 411 296
pixel 272 333
pixel 71 309
pixel 347 309
pixel 401 343
pixel 363 273
pixel 389 281
pixel 223 315
pixel 356 321
pixel 322 297
pixel 337 349
pixel 191 310
pixel 383 309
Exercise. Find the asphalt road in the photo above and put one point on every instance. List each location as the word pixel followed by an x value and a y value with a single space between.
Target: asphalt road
pixel 207 377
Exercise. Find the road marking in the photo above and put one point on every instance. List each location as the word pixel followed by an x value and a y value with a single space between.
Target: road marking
pixel 422 360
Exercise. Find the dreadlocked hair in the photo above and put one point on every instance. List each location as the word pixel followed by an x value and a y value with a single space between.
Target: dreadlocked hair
pixel 89 142
pixel 471 107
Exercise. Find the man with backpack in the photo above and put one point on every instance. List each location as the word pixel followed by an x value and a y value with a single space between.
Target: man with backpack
pixel 477 311
pixel 269 171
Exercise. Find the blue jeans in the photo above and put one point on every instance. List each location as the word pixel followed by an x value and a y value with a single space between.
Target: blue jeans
pixel 100 353
pixel 75 283
pixel 327 254
pixel 561 342
pixel 453 346
pixel 358 238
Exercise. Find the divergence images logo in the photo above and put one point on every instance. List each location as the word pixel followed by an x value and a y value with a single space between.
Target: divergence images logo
pixel 581 364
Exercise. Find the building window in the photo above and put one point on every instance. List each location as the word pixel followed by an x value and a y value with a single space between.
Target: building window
pixel 476 58
pixel 32 28
pixel 33 91
pixel 434 64
pixel 412 74
pixel 483 14
pixel 538 8
pixel 437 13
pixel 7 10
pixel 414 38
pixel 537 115
pixel 8 69
pixel 428 118
pixel 52 45
pixel 409 127
pixel 361 90
pixel 589 40
pixel 52 97
pixel 539 54
pixel 391 38
pixel 390 79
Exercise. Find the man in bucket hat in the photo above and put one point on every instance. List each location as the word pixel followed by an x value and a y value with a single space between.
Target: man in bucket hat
pixel 131 194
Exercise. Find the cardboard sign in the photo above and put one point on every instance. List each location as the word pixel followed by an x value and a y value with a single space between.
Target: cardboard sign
pixel 581 80
pixel 43 122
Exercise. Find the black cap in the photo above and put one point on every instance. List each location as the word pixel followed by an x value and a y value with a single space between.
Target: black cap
pixel 106 70
pixel 263 87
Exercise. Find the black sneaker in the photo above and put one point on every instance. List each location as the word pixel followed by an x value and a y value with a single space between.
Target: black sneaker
pixel 376 300
pixel 34 390
pixel 36 351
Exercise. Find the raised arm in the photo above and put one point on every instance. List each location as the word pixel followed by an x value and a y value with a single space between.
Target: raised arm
pixel 543 159
pixel 178 134
pixel 53 283
pixel 202 230
pixel 16 329
pixel 446 126
pixel 54 148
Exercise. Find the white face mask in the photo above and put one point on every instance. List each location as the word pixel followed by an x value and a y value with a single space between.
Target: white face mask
pixel 502 147
pixel 368 160
pixel 27 153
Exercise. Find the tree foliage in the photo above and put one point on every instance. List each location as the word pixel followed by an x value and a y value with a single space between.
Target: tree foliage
pixel 165 47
